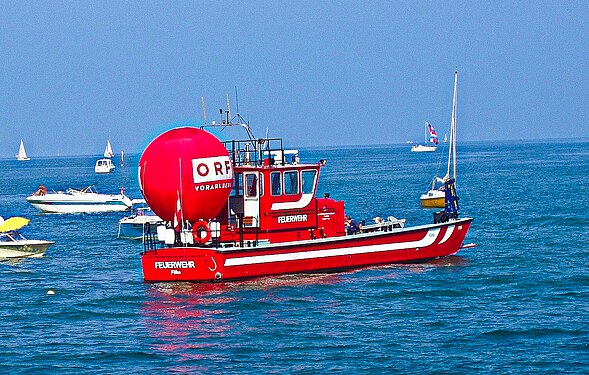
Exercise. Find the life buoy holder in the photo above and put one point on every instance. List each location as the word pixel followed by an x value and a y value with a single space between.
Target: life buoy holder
pixel 201 232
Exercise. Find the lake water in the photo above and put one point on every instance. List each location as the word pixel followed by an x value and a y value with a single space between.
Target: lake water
pixel 517 303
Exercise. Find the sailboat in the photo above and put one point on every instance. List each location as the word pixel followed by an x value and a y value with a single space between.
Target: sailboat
pixel 22 154
pixel 105 165
pixel 429 146
pixel 108 150
pixel 436 197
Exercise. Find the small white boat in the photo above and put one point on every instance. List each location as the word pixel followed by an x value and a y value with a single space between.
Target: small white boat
pixel 133 227
pixel 430 146
pixel 14 245
pixel 22 154
pixel 103 166
pixel 79 201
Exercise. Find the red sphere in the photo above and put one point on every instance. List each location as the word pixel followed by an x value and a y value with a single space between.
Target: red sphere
pixel 190 164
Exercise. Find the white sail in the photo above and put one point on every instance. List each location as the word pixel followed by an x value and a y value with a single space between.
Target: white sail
pixel 108 150
pixel 22 154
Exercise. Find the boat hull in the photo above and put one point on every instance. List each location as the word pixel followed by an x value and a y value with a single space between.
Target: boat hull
pixel 198 264
pixel 433 199
pixel 24 248
pixel 80 203
pixel 102 170
pixel 79 208
pixel 422 148
pixel 131 231
pixel 134 230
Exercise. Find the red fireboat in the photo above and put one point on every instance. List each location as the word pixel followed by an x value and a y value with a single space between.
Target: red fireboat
pixel 248 208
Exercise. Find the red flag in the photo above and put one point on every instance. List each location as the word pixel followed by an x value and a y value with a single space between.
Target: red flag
pixel 178 215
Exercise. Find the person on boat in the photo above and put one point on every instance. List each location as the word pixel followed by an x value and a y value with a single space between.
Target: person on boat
pixel 352 226
pixel 42 190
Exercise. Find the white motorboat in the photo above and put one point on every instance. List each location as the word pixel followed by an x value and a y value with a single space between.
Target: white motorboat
pixel 133 227
pixel 22 154
pixel 104 166
pixel 79 201
pixel 14 245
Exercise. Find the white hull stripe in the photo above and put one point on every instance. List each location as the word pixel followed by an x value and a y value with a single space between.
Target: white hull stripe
pixel 78 203
pixel 448 233
pixel 427 240
pixel 79 208
pixel 301 203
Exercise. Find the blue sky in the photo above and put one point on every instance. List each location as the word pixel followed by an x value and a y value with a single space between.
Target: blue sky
pixel 316 73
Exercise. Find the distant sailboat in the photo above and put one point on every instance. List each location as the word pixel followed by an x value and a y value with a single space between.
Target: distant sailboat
pixel 437 197
pixel 22 154
pixel 108 150
pixel 122 158
pixel 433 140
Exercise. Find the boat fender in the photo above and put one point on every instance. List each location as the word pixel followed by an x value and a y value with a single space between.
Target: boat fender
pixel 201 232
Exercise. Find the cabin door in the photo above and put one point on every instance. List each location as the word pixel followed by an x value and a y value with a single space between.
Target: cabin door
pixel 251 199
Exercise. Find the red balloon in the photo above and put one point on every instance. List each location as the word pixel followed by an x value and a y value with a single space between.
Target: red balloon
pixel 189 164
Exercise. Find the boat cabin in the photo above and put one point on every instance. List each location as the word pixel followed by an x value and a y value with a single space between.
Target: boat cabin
pixel 103 166
pixel 274 197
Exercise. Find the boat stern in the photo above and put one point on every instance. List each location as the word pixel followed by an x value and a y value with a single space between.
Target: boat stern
pixel 181 264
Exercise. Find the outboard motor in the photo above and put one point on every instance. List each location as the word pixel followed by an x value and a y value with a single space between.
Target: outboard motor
pixel 451 209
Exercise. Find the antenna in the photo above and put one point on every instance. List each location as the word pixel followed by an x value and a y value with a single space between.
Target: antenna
pixel 236 100
pixel 228 107
pixel 204 109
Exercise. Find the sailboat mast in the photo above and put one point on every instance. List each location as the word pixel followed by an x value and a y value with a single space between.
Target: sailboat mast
pixel 454 122
pixel 204 110
pixel 425 133
pixel 452 146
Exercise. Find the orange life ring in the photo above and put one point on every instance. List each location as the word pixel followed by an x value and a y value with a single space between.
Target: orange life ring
pixel 201 232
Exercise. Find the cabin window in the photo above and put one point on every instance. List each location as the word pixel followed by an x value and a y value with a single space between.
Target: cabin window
pixel 308 181
pixel 251 181
pixel 276 183
pixel 237 185
pixel 261 181
pixel 291 182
